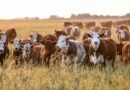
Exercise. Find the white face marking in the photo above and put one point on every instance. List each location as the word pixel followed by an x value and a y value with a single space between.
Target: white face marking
pixel 95 60
pixel 95 40
pixel 62 42
pixel 26 48
pixel 106 32
pixel 34 38
pixel 122 34
pixel 76 28
pixel 3 38
pixel 1 47
pixel 16 44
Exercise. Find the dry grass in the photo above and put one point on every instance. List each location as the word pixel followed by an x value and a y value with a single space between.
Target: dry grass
pixel 57 77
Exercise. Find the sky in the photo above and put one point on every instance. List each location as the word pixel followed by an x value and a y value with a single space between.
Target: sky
pixel 44 8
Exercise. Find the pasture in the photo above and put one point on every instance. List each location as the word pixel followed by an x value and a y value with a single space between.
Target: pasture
pixel 56 77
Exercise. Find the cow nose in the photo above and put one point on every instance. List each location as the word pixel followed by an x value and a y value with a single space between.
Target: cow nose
pixel 57 46
pixel 1 50
pixel 95 43
pixel 16 48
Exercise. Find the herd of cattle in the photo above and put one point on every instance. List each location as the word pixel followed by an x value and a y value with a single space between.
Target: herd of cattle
pixel 96 47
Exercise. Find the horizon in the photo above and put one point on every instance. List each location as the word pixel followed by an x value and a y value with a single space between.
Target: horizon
pixel 44 9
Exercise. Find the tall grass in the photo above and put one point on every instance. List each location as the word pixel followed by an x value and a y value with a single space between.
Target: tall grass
pixel 56 77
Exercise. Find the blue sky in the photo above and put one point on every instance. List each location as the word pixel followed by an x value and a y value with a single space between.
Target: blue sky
pixel 45 8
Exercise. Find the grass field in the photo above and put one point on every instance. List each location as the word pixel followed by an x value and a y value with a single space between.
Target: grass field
pixel 56 77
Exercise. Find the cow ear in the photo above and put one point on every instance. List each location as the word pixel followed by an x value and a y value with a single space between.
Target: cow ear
pixel 31 36
pixel 42 42
pixel 101 35
pixel 53 42
pixel 89 35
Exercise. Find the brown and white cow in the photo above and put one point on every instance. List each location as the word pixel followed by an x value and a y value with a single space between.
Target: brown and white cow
pixel 11 34
pixel 71 48
pixel 4 52
pixel 106 31
pixel 101 50
pixel 75 32
pixel 123 33
pixel 17 52
pixel 61 32
pixel 36 38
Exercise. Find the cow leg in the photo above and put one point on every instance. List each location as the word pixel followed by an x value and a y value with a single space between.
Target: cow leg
pixel 1 62
pixel 64 57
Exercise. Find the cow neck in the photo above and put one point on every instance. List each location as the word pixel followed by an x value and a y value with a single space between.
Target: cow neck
pixel 97 52
pixel 71 48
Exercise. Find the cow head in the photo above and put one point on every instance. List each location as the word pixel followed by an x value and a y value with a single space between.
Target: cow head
pixel 58 33
pixel 17 44
pixel 26 48
pixel 34 37
pixel 3 38
pixel 1 46
pixel 122 34
pixel 95 39
pixel 62 42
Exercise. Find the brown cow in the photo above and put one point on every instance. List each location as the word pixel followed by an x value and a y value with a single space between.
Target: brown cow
pixel 67 24
pixel 89 25
pixel 106 24
pixel 37 53
pixel 11 34
pixel 50 48
pixel 106 31
pixel 126 52
pixel 102 50
pixel 95 29
pixel 79 24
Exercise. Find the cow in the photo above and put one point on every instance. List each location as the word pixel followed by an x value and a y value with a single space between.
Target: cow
pixel 67 24
pixel 101 50
pixel 17 52
pixel 75 32
pixel 36 38
pixel 122 33
pixel 60 32
pixel 26 51
pixel 106 31
pixel 89 25
pixel 49 50
pixel 49 37
pixel 4 38
pixel 4 52
pixel 68 30
pixel 106 24
pixel 126 52
pixel 37 53
pixel 11 34
pixel 121 27
pixel 95 29
pixel 71 48
pixel 79 24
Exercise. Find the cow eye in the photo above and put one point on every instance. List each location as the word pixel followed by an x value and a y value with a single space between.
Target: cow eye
pixel 62 41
